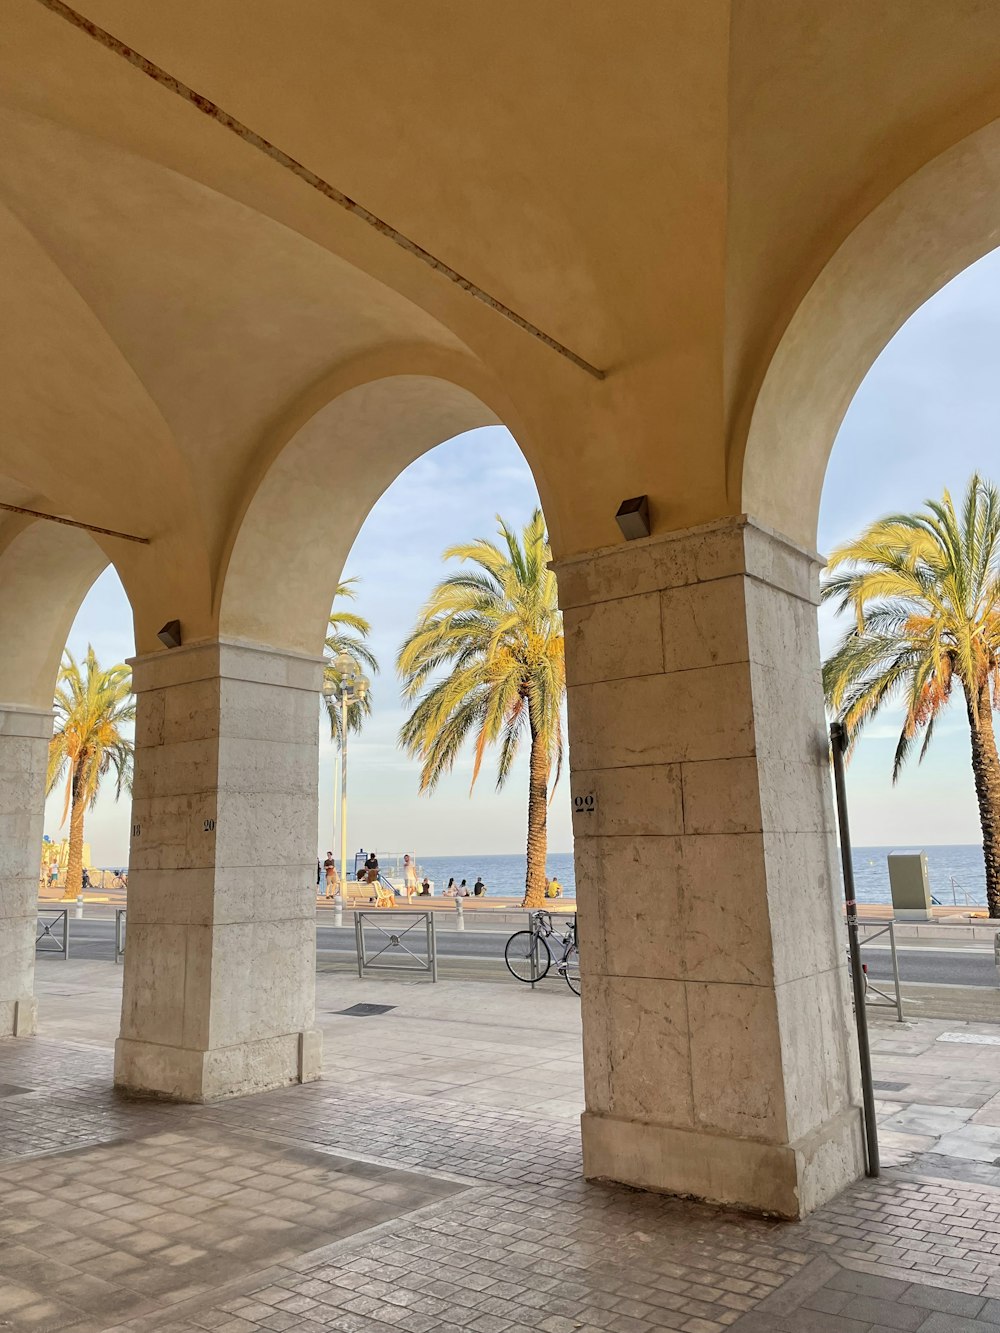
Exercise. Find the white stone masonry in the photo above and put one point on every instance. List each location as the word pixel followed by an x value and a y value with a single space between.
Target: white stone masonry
pixel 718 1055
pixel 24 753
pixel 220 956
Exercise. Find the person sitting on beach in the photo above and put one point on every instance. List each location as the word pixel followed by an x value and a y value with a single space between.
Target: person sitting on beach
pixel 462 891
pixel 425 888
pixel 553 889
pixel 479 888
pixel 450 891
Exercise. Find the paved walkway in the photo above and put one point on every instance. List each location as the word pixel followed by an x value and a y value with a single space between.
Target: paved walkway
pixel 432 1181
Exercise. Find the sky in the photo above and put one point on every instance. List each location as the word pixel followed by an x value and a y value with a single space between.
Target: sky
pixel 925 418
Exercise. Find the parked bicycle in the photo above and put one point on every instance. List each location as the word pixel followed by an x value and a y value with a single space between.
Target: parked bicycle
pixel 528 954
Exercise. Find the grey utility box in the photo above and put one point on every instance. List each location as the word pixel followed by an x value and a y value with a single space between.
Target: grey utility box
pixel 911 893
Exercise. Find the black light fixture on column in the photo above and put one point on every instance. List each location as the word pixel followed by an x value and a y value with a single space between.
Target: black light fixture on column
pixel 633 517
pixel 170 634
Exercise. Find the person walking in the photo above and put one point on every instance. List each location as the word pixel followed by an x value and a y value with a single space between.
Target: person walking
pixel 330 871
pixel 409 876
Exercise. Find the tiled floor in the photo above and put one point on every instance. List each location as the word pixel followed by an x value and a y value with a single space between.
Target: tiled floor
pixel 432 1181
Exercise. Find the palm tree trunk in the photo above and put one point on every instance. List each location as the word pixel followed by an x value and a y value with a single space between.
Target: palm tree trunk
pixel 74 867
pixel 538 809
pixel 986 771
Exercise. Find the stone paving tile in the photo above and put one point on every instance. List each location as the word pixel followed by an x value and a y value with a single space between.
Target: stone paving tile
pixel 446 1199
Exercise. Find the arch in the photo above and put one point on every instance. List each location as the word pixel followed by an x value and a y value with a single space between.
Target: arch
pixel 307 510
pixel 937 223
pixel 46 570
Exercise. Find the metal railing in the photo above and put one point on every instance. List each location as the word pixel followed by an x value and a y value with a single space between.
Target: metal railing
pixel 957 889
pixel 120 933
pixel 882 1000
pixel 395 941
pixel 52 919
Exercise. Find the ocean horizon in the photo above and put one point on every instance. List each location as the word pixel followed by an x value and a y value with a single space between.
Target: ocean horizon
pixel 955 871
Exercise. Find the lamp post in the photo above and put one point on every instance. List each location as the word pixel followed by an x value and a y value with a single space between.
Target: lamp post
pixel 346 685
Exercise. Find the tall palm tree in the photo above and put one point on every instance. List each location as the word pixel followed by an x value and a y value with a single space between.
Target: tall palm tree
pixel 925 592
pixel 91 708
pixel 497 631
pixel 347 635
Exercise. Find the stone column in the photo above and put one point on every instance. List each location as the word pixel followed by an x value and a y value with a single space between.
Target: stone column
pixel 24 752
pixel 220 958
pixel 718 1055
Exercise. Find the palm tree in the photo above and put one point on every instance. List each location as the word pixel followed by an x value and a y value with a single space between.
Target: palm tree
pixel 91 707
pixel 347 635
pixel 925 592
pixel 498 631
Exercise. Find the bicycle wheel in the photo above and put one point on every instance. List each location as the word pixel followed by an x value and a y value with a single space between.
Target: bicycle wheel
pixel 571 970
pixel 517 956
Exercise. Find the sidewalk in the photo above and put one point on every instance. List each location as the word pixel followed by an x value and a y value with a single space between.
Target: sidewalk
pixel 431 1181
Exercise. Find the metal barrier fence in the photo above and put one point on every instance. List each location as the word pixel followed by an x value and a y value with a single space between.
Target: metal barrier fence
pixel 882 999
pixel 393 941
pixel 120 933
pixel 59 917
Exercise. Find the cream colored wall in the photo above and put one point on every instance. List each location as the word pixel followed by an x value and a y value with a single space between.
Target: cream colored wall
pixel 45 572
pixel 700 200
pixel 303 519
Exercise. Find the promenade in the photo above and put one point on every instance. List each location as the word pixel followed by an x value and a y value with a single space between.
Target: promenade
pixel 431 1180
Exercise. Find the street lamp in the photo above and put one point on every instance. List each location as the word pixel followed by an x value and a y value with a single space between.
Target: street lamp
pixel 346 685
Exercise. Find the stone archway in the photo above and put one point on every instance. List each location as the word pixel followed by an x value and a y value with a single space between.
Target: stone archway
pixel 45 572
pixel 934 225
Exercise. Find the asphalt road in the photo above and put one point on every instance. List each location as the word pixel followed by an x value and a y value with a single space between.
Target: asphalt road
pixel 93 937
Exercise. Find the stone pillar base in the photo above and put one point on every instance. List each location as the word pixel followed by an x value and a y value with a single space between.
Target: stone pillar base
pixel 781 1180
pixel 19 1018
pixel 144 1068
pixel 24 752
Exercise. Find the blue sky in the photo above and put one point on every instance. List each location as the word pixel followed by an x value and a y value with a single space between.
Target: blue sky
pixel 926 416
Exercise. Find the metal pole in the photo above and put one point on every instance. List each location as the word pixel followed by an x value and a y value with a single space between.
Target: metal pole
pixel 343 786
pixel 432 945
pixel 534 951
pixel 838 742
pixel 359 941
pixel 895 972
pixel 66 933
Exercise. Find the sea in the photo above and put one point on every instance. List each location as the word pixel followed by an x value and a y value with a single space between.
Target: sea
pixel 955 872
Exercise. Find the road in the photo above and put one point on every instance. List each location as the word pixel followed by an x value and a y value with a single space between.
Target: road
pixel 93 937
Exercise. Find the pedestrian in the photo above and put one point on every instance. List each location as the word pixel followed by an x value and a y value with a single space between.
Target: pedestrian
pixel 479 888
pixel 409 876
pixel 332 876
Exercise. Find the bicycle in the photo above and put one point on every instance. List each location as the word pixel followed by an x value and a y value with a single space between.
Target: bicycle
pixel 528 956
